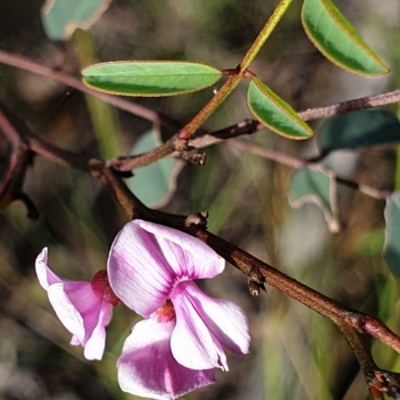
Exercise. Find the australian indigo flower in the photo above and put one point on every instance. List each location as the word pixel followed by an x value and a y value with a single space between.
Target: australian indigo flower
pixel 180 342
pixel 84 308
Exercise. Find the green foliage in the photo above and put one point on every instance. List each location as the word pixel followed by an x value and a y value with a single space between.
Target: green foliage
pixel 337 40
pixel 275 113
pixel 391 251
pixel 357 129
pixel 150 78
pixel 60 18
pixel 155 183
pixel 317 186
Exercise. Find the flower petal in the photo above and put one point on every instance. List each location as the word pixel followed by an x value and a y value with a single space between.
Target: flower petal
pixel 74 341
pixel 66 311
pixel 138 273
pixel 147 259
pixel 225 319
pixel 76 306
pixel 83 313
pixel 147 368
pixel 94 347
pixel 45 275
pixel 192 343
pixel 188 256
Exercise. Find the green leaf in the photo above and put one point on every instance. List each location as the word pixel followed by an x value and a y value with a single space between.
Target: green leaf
pixel 150 78
pixel 60 18
pixel 316 185
pixel 154 184
pixel 391 251
pixel 337 39
pixel 358 129
pixel 275 113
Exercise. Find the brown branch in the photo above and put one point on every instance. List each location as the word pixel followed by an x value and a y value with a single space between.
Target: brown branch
pixel 65 157
pixel 367 364
pixel 362 103
pixel 365 323
pixel 248 127
pixel 251 126
pixel 11 185
pixel 256 269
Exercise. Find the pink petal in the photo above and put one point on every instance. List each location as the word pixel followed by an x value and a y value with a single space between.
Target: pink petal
pixel 203 326
pixel 45 275
pixel 147 259
pixel 94 347
pixel 147 368
pixel 137 270
pixel 76 306
pixel 83 313
pixel 74 341
pixel 192 343
pixel 188 256
pixel 225 319
pixel 66 311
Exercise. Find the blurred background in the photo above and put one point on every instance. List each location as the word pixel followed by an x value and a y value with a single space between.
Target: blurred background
pixel 295 353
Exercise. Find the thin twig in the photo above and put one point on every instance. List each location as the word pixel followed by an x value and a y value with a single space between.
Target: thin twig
pixel 269 154
pixel 248 127
pixel 31 66
pixel 362 103
pixel 251 126
pixel 365 323
pixel 64 157
pixel 367 364
pixel 20 158
pixel 297 163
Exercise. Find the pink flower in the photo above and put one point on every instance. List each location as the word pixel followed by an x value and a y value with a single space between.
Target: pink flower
pixel 176 348
pixel 84 308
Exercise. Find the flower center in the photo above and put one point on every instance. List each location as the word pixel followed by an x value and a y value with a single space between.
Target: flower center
pixel 166 312
pixel 102 289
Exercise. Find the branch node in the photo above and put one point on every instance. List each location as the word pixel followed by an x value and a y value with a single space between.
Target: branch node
pixel 254 287
pixel 231 71
pixel 255 282
pixel 199 220
pixel 385 382
pixel 192 155
pixel 357 321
